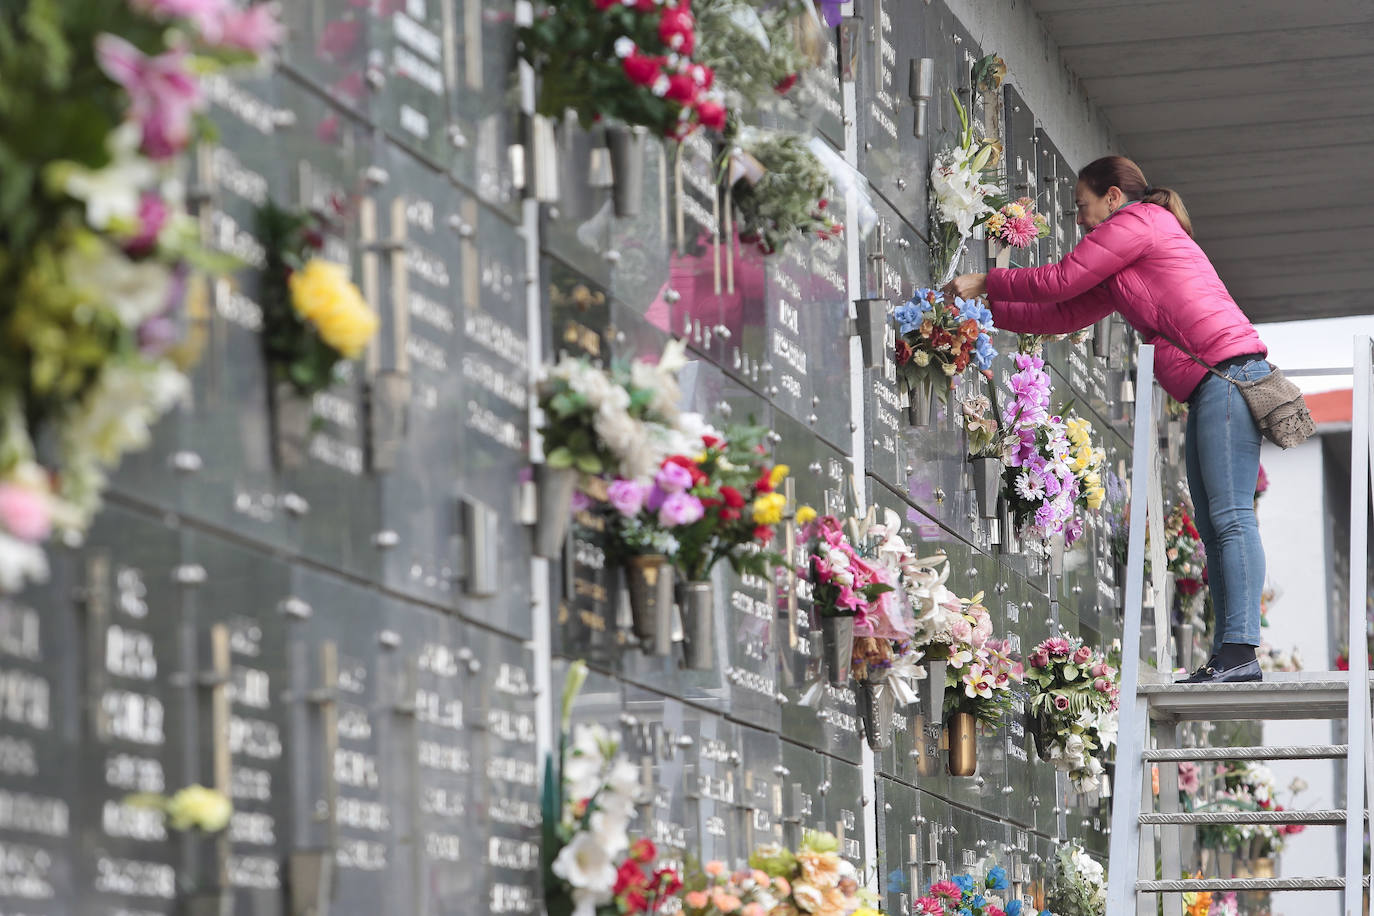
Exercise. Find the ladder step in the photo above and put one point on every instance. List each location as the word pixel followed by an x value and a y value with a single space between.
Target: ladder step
pixel 1296 752
pixel 1243 884
pixel 1299 695
pixel 1315 816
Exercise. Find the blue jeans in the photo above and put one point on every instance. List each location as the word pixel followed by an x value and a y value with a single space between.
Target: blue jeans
pixel 1223 449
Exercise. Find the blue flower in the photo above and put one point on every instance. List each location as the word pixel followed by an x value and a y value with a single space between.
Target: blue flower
pixel 997 878
pixel 984 352
pixel 965 882
pixel 979 902
pixel 1013 908
pixel 908 317
pixel 896 881
pixel 965 912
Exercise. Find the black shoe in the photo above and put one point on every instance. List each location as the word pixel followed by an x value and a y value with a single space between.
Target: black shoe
pixel 1200 675
pixel 1241 674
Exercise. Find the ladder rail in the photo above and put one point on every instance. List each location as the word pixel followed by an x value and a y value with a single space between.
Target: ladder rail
pixel 1357 720
pixel 1122 861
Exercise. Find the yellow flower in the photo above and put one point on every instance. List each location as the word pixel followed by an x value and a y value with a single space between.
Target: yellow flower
pixel 995 223
pixel 805 515
pixel 1092 479
pixel 199 807
pixel 1015 211
pixel 322 294
pixel 866 911
pixel 1095 497
pixel 779 472
pixel 768 508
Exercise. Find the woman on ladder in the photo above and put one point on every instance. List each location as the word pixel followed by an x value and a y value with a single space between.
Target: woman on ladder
pixel 1139 258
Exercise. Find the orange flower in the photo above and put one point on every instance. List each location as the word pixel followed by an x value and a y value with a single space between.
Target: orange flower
pixel 820 868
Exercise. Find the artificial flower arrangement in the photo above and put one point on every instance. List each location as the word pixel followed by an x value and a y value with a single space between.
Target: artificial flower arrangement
pixel 1274 659
pixel 192 808
pixel 1079 884
pixel 1086 461
pixel 1074 708
pixel 963 194
pixel 620 421
pixel 628 62
pixel 100 263
pixel 1018 224
pixel 1040 485
pixel 313 316
pixel 757 51
pixel 813 879
pixel 938 341
pixel 1245 786
pixel 963 894
pixel 1183 552
pixel 590 865
pixel 780 188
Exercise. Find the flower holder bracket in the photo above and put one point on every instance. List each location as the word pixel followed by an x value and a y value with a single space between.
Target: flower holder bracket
pixel 870 325
pixel 479 541
pixel 541 158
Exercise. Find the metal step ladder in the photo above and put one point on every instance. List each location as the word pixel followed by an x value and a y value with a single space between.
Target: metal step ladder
pixel 1153 708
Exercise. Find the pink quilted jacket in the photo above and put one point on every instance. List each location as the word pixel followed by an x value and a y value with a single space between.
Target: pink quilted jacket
pixel 1141 263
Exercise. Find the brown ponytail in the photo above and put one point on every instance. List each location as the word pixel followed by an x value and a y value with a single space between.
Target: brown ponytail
pixel 1100 175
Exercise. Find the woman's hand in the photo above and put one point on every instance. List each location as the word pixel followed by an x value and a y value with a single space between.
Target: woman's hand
pixel 968 286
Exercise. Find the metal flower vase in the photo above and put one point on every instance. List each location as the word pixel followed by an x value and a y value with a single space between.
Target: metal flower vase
pixel 961 732
pixel 1102 338
pixel 696 603
pixel 1055 548
pixel 837 642
pixel 649 582
pixel 987 485
pixel 293 423
pixel 921 403
pixel 1042 733
pixel 877 703
pixel 1011 538
pixel 626 145
pixel 555 490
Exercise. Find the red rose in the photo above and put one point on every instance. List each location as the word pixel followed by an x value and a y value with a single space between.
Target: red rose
pixel 711 114
pixel 765 483
pixel 667 882
pixel 732 497
pixel 643 850
pixel 676 30
pixel 763 534
pixel 681 88
pixel 641 69
pixel 705 76
pixel 712 441
pixel 822 204
pixel 645 6
pixel 604 5
pixel 729 515
pixel 691 466
pixel 629 876
pixel 904 352
pixel 785 84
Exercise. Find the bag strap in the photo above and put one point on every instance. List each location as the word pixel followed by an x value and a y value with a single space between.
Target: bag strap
pixel 1189 353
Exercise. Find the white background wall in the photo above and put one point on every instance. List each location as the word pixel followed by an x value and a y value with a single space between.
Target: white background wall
pixel 1291 519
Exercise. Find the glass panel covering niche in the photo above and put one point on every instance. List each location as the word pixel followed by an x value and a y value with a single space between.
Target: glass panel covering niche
pixel 823 332
pixel 653 733
pixel 641 253
pixel 760 787
pixel 899 845
pixel 1021 161
pixel 136 739
pixel 225 432
pixel 495 411
pixel 414 426
pixel 340 663
pixel 711 772
pixel 410 49
pixel 577 228
pixel 889 151
pixel 483 124
pixel 240 625
pixel 509 771
pixel 327 46
pixel 338 179
pixel 40 658
pixel 803 775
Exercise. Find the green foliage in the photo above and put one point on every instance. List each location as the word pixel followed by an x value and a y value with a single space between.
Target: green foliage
pixel 755 47
pixel 789 201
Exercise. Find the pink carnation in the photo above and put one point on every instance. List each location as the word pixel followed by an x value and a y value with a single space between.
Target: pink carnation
pixel 1057 647
pixel 1020 232
pixel 929 906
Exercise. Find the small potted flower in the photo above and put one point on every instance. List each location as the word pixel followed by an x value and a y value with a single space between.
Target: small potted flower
pixel 1073 708
pixel 728 510
pixel 848 593
pixel 603 422
pixel 979 685
pixel 937 342
pixel 313 318
pixel 590 865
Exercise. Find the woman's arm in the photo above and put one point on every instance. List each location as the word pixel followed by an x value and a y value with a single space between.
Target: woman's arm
pixel 1053 317
pixel 1113 245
